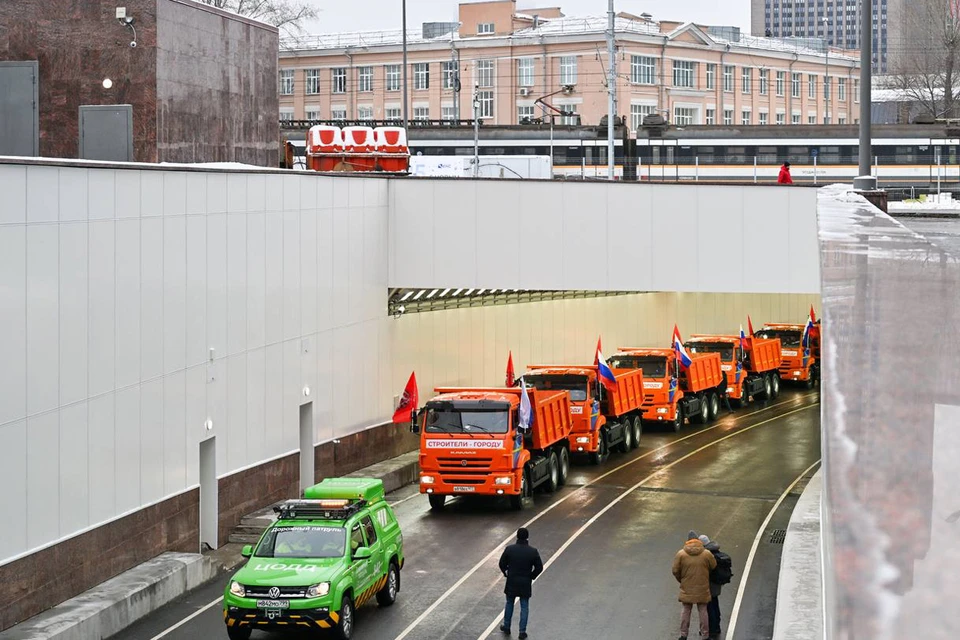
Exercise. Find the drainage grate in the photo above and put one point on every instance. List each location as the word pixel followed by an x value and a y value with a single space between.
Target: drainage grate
pixel 778 536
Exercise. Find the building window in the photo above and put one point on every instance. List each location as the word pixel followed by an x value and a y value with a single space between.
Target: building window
pixel 812 87
pixel 365 113
pixel 781 118
pixel 421 75
pixel 685 115
pixel 393 72
pixel 856 90
pixel 643 70
pixel 365 79
pixel 486 103
pixel 286 82
pixel 638 112
pixel 711 78
pixel 841 89
pixel 795 85
pixel 811 119
pixel 312 81
pixel 764 80
pixel 745 118
pixel 568 70
pixel 570 116
pixel 392 113
pixel 781 82
pixel 448 112
pixel 841 121
pixel 338 113
pixel 525 74
pixel 421 113
pixel 339 80
pixel 728 78
pixel 728 116
pixel 683 73
pixel 286 115
pixel 448 75
pixel 484 28
pixel 312 114
pixel 795 118
pixel 485 73
pixel 525 114
pixel 746 80
pixel 711 116
pixel 764 118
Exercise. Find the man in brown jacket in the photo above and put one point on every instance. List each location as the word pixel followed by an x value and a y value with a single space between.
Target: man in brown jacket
pixel 691 567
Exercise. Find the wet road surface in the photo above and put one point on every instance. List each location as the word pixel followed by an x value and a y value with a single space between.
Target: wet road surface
pixel 943 232
pixel 608 539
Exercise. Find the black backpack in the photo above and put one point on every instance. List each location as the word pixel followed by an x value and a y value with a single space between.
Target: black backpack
pixel 724 571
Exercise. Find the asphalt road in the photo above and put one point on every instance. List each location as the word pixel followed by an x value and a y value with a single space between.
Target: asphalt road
pixel 608 539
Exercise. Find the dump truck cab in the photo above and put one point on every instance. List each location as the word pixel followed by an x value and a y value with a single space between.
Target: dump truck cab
pixel 472 443
pixel 799 364
pixel 602 420
pixel 751 372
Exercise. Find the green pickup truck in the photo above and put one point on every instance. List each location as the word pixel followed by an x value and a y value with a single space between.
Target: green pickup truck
pixel 323 558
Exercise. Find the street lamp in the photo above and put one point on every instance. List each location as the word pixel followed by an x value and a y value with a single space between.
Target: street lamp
pixel 826 73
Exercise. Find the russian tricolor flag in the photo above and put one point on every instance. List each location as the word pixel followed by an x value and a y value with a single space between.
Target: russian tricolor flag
pixel 605 374
pixel 682 355
pixel 743 339
pixel 805 341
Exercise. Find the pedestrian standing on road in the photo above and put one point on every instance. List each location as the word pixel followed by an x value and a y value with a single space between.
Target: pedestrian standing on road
pixel 520 565
pixel 718 577
pixel 691 567
pixel 784 177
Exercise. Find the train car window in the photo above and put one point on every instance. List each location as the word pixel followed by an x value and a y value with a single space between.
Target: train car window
pixel 463 151
pixel 707 155
pixel 736 155
pixel 685 155
pixel 829 155
pixel 767 155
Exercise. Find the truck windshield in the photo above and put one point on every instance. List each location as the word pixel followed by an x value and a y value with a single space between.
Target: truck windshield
pixel 788 338
pixel 653 366
pixel 725 350
pixel 576 385
pixel 453 421
pixel 302 542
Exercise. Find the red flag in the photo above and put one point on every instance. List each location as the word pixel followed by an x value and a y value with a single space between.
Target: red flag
pixel 596 354
pixel 510 378
pixel 813 316
pixel 408 401
pixel 749 326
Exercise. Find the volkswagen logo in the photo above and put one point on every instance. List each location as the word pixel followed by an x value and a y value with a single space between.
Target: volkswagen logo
pixel 463 463
pixel 274 592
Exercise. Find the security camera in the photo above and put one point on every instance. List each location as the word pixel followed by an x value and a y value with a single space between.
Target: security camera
pixel 133 44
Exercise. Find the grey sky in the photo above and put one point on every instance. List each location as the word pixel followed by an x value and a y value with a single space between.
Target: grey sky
pixel 385 14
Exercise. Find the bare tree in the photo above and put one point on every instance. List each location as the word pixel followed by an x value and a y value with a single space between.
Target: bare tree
pixel 286 15
pixel 927 62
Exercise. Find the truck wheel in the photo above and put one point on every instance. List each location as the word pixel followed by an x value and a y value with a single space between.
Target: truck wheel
pixel 775 384
pixel 637 431
pixel 704 414
pixel 564 458
pixel 627 443
pixel 344 629
pixel 553 473
pixel 767 387
pixel 436 502
pixel 600 455
pixel 714 406
pixel 677 423
pixel 388 595
pixel 517 501
pixel 239 634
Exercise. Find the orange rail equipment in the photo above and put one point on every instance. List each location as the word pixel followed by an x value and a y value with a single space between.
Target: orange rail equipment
pixel 330 148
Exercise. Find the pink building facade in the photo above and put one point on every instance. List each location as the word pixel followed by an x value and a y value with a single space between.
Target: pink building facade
pixel 506 59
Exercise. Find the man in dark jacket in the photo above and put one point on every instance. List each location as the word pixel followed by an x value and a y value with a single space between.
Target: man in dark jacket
pixel 520 564
pixel 718 577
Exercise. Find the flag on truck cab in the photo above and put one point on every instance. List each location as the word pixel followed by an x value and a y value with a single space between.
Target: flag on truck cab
pixel 805 340
pixel 750 327
pixel 526 411
pixel 682 355
pixel 596 354
pixel 511 380
pixel 408 401
pixel 813 316
pixel 605 374
pixel 743 339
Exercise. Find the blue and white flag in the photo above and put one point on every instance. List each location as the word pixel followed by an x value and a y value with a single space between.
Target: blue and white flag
pixel 526 411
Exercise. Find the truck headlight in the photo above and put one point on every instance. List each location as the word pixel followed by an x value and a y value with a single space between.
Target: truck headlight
pixel 426 479
pixel 661 409
pixel 318 590
pixel 729 389
pixel 796 373
pixel 503 480
pixel 238 589
pixel 583 440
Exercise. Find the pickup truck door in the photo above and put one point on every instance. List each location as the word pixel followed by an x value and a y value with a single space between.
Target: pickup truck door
pixel 359 568
pixel 378 566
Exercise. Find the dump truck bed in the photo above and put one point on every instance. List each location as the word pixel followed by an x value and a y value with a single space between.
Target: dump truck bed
pixel 629 388
pixel 765 354
pixel 703 373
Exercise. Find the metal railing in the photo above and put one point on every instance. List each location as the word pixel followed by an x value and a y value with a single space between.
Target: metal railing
pixel 350 39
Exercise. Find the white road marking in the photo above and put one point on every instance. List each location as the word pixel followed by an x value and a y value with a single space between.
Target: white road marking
pixel 401 501
pixel 187 619
pixel 612 503
pixel 446 594
pixel 753 550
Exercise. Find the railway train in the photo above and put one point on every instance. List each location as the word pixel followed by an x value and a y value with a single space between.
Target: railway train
pixel 918 155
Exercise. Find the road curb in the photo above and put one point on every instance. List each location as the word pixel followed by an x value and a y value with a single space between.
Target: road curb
pixel 799 613
pixel 117 603
pixel 395 472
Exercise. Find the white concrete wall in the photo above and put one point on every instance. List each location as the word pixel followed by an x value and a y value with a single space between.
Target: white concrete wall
pixel 634 237
pixel 114 286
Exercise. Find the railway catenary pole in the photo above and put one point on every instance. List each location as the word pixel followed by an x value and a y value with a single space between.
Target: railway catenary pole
pixel 404 10
pixel 611 87
pixel 866 62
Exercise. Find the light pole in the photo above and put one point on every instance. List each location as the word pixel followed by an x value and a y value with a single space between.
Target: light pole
pixel 404 35
pixel 866 62
pixel 611 87
pixel 826 73
pixel 476 130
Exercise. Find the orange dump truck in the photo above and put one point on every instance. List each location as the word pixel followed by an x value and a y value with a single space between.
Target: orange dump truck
pixel 672 393
pixel 602 419
pixel 471 443
pixel 752 372
pixel 800 364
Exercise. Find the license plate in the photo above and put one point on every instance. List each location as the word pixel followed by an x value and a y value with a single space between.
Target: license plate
pixel 273 604
pixel 464 489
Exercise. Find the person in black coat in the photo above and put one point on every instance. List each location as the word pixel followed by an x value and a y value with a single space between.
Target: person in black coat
pixel 520 564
